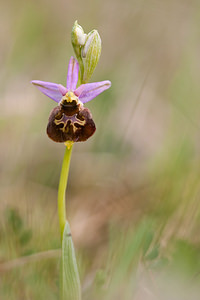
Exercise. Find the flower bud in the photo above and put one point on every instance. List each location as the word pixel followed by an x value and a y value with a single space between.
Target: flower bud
pixel 91 52
pixel 78 36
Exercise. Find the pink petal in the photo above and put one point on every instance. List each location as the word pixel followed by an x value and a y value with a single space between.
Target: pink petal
pixel 62 89
pixel 72 75
pixel 52 90
pixel 88 91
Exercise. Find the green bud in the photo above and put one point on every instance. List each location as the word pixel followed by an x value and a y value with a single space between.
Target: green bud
pixel 78 38
pixel 91 52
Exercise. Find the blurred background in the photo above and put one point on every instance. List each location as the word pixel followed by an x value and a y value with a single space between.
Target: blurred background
pixel 133 199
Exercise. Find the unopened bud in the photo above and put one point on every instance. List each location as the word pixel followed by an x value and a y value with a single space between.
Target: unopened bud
pixel 91 52
pixel 78 36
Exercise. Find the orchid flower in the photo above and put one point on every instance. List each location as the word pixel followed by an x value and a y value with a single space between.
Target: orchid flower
pixel 70 121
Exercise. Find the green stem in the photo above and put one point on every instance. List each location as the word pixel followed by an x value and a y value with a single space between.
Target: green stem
pixel 81 70
pixel 62 188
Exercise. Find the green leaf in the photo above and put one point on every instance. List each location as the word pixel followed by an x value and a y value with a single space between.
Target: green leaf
pixel 153 254
pixel 70 282
pixel 148 238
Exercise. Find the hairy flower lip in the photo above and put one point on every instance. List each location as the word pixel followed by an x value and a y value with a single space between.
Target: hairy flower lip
pixel 85 92
pixel 75 127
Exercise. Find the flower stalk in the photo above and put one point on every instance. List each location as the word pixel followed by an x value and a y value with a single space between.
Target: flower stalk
pixel 62 188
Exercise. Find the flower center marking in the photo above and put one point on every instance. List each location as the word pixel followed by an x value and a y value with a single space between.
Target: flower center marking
pixel 68 123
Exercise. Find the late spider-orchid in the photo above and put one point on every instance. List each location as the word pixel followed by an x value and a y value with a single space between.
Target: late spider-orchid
pixel 70 120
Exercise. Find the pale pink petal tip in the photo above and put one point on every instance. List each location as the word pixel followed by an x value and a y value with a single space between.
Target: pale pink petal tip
pixel 89 91
pixel 50 89
pixel 72 74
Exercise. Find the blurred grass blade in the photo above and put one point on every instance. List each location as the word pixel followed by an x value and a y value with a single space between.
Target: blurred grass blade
pixel 70 285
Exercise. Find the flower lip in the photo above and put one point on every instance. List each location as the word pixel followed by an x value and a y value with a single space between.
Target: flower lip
pixel 74 127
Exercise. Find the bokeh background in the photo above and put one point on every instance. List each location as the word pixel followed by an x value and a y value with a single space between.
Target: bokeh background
pixel 133 199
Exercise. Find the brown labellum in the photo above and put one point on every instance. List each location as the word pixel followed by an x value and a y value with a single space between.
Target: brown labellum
pixel 70 121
